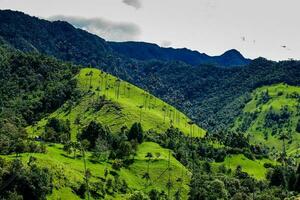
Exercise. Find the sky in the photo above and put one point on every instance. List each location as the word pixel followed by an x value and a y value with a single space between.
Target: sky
pixel 256 28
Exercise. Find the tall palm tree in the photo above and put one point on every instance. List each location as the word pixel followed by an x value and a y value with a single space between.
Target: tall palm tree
pixel 283 136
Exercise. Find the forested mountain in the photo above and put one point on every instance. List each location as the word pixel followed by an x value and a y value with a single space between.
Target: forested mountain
pixel 63 41
pixel 146 51
pixel 206 93
pixel 214 96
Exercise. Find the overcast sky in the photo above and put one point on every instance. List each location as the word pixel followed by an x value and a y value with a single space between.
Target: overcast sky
pixel 267 28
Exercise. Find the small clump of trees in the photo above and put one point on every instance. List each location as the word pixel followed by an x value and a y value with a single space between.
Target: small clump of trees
pixel 57 130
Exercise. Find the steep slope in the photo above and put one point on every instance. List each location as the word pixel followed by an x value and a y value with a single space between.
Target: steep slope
pixel 122 105
pixel 147 51
pixel 273 111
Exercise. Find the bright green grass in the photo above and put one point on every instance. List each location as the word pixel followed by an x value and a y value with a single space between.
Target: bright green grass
pixel 69 171
pixel 131 97
pixel 254 168
pixel 257 129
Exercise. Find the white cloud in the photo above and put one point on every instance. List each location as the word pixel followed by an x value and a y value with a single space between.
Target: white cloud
pixel 134 3
pixel 115 31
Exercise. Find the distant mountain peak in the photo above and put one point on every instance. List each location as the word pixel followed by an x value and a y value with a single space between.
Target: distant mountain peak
pixel 149 51
pixel 232 52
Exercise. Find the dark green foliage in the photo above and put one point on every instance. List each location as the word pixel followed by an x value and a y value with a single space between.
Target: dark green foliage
pixel 93 132
pixel 136 133
pixel 298 126
pixel 264 98
pixel 32 85
pixel 32 183
pixel 277 118
pixel 14 139
pixel 247 119
pixel 117 164
pixel 57 130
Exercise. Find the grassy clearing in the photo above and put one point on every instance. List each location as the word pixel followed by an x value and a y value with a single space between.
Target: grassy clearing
pixel 127 104
pixel 280 96
pixel 68 172
pixel 254 168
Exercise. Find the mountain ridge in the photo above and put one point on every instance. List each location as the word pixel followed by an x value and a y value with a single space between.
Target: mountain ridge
pixel 147 51
pixel 64 41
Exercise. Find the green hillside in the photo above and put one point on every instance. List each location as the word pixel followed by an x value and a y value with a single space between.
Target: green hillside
pixel 116 104
pixel 122 105
pixel 68 172
pixel 272 112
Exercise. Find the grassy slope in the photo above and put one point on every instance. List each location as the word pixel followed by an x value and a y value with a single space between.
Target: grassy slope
pixel 69 172
pixel 152 114
pixel 257 129
pixel 254 168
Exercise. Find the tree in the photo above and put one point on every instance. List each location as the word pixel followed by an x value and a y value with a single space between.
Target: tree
pixel 68 148
pixel 100 152
pixel 124 150
pixel 147 174
pixel 277 176
pixel 90 74
pixel 154 194
pixel 136 133
pixel 87 174
pixel 117 88
pixel 92 132
pixel 141 110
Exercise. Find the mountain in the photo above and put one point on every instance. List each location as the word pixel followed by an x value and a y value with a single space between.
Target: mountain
pixel 147 51
pixel 58 102
pixel 212 96
pixel 59 39
pixel 62 40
